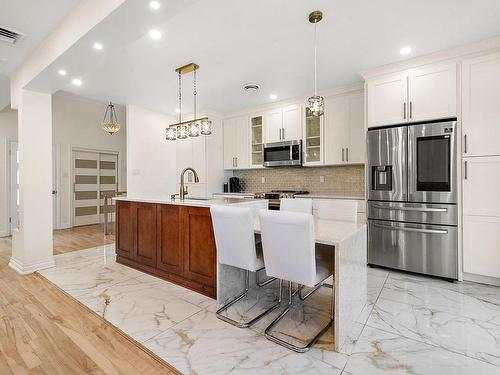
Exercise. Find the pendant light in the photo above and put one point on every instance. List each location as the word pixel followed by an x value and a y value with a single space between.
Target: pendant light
pixel 316 103
pixel 194 127
pixel 110 122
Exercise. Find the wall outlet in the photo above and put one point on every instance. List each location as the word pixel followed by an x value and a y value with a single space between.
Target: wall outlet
pixel 322 179
pixel 263 180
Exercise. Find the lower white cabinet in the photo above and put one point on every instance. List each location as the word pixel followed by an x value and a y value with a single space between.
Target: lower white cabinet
pixel 481 245
pixel 481 215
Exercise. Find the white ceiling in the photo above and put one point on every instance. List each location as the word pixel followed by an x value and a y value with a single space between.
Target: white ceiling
pixel 34 19
pixel 259 41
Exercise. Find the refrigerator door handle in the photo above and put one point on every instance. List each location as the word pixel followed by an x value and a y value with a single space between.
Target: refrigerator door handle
pixel 419 209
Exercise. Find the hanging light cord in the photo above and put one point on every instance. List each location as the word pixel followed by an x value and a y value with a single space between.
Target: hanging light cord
pixel 315 62
pixel 194 94
pixel 180 99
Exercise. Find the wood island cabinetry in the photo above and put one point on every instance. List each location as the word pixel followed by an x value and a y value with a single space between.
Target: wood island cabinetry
pixel 173 242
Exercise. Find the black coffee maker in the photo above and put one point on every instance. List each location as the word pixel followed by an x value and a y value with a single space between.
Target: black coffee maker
pixel 234 185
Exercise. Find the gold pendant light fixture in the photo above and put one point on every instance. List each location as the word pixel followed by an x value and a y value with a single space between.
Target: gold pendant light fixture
pixel 194 127
pixel 110 122
pixel 316 103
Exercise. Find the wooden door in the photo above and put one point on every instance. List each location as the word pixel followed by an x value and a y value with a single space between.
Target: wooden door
pixel 336 129
pixel 124 229
pixel 357 135
pixel 169 249
pixel 145 233
pixel 273 125
pixel 199 246
pixel 292 123
pixel 432 92
pixel 387 100
pixel 481 105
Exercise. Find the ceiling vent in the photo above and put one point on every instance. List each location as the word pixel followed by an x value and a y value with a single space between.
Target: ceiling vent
pixel 9 36
pixel 251 87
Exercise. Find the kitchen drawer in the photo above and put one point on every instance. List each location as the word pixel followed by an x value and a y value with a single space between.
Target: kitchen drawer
pixel 413 212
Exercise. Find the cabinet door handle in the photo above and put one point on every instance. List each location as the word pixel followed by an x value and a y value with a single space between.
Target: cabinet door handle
pixel 465 170
pixel 411 110
pixel 465 143
pixel 236 162
pixel 342 154
pixel 280 133
pixel 283 133
pixel 347 154
pixel 404 111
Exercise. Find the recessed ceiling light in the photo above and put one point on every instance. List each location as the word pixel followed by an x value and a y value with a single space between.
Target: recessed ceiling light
pixel 405 50
pixel 61 72
pixel 273 97
pixel 177 110
pixel 77 82
pixel 154 5
pixel 155 34
pixel 98 46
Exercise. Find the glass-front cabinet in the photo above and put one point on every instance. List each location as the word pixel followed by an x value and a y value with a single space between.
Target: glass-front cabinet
pixel 313 139
pixel 256 132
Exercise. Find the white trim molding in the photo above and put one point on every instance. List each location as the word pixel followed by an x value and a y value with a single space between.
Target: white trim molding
pixel 26 269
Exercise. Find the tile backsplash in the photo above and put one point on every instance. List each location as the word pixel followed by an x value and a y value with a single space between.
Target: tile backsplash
pixel 338 180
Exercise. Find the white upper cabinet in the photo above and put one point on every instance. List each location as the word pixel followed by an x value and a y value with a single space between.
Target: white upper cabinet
pixel 283 124
pixel 273 125
pixel 336 129
pixel 292 123
pixel 481 105
pixel 256 140
pixel 387 100
pixel 344 130
pixel 425 93
pixel 236 143
pixel 313 139
pixel 432 92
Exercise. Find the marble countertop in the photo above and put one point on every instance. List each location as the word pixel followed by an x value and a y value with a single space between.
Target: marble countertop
pixel 329 232
pixel 203 202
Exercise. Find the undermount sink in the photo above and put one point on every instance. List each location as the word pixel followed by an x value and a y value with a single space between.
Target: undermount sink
pixel 197 198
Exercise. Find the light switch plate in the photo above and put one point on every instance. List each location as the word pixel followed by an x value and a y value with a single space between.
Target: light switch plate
pixel 322 179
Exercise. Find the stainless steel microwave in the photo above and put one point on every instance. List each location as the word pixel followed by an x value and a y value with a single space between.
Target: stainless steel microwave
pixel 282 153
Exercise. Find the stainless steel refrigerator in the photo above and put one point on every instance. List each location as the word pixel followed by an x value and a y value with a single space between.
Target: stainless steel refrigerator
pixel 412 198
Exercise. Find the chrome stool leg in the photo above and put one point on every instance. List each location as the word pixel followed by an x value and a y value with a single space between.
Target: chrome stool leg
pixel 286 344
pixel 242 295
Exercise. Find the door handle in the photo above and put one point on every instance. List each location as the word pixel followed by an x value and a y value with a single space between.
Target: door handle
pixel 418 209
pixel 404 111
pixel 342 154
pixel 465 170
pixel 411 110
pixel 347 154
pixel 417 230
pixel 465 143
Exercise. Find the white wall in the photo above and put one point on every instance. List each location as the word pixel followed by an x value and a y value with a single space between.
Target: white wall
pixel 76 123
pixel 151 160
pixel 8 132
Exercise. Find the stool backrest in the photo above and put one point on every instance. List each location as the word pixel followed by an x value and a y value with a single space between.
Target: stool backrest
pixel 234 236
pixel 337 209
pixel 288 246
pixel 304 205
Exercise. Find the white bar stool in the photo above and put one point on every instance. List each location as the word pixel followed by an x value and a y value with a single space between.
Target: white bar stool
pixel 235 242
pixel 304 205
pixel 337 209
pixel 290 254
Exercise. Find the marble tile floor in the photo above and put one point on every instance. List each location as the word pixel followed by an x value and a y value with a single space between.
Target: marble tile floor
pixel 410 324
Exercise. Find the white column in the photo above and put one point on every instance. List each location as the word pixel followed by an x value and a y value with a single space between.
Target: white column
pixel 32 244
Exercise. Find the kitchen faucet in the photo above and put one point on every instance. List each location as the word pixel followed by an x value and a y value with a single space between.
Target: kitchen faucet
pixel 183 190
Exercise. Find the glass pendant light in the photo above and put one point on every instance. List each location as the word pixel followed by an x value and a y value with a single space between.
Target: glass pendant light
pixel 206 126
pixel 316 103
pixel 182 131
pixel 171 134
pixel 110 122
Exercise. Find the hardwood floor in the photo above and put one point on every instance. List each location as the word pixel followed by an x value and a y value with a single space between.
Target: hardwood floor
pixel 44 331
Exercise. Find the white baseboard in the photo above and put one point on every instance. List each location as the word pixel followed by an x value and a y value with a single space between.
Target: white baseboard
pixel 25 269
pixel 4 233
pixel 64 226
pixel 481 279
